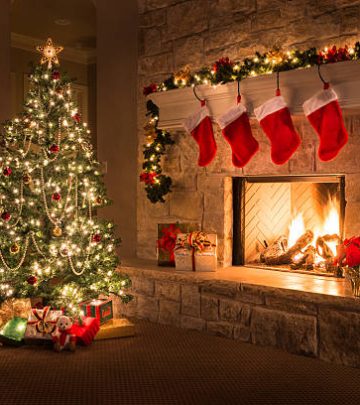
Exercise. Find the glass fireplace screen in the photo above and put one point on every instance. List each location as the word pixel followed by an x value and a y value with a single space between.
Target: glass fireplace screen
pixel 288 223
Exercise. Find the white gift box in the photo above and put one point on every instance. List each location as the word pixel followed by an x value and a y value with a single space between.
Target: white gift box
pixel 190 258
pixel 41 324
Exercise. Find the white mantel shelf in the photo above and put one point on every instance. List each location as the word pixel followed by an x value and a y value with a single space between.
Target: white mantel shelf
pixel 296 87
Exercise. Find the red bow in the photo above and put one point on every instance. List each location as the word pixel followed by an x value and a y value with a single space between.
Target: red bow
pixel 148 178
pixel 168 240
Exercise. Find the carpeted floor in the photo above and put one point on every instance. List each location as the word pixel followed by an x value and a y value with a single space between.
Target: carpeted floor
pixel 165 365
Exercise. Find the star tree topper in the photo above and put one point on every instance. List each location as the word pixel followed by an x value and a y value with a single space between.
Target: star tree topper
pixel 49 53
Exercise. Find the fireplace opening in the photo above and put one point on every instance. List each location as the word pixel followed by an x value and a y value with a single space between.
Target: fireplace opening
pixel 288 223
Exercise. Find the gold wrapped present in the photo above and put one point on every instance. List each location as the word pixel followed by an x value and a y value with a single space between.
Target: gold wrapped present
pixel 116 328
pixel 14 307
pixel 196 251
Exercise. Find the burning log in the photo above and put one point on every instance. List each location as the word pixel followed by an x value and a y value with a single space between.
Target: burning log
pixel 274 256
pixel 306 260
pixel 323 249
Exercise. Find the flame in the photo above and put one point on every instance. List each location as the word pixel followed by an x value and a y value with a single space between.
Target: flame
pixel 330 226
pixel 296 229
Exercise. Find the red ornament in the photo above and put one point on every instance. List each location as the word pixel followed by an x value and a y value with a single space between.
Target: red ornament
pixel 32 280
pixel 96 238
pixel 5 216
pixel 55 75
pixel 56 197
pixel 54 148
pixel 148 178
pixel 152 88
pixel 7 171
pixel 76 117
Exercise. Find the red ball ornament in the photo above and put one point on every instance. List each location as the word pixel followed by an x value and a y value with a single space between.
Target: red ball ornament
pixel 56 197
pixel 7 171
pixel 32 280
pixel 96 238
pixel 76 117
pixel 55 75
pixel 54 148
pixel 5 216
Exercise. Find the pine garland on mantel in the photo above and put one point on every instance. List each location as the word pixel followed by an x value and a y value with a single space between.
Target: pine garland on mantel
pixel 157 185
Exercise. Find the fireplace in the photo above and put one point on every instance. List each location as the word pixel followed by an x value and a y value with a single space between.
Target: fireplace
pixel 288 223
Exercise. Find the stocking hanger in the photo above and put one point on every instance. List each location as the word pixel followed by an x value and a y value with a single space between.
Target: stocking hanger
pixel 238 91
pixel 278 83
pixel 202 101
pixel 326 84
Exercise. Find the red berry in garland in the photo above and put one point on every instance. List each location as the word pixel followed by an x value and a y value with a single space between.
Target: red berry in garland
pixel 5 216
pixel 55 75
pixel 7 171
pixel 32 280
pixel 96 238
pixel 54 148
pixel 56 197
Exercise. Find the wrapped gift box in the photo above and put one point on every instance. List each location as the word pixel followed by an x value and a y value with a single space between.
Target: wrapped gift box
pixel 167 234
pixel 13 332
pixel 13 307
pixel 41 325
pixel 102 309
pixel 116 328
pixel 85 330
pixel 196 251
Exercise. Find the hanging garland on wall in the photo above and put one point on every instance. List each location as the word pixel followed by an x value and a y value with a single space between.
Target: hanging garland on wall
pixel 157 185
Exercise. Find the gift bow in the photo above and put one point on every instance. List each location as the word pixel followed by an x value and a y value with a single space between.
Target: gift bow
pixel 168 240
pixel 194 240
pixel 42 323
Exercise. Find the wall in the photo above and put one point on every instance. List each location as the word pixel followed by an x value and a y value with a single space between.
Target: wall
pixel 197 32
pixel 116 112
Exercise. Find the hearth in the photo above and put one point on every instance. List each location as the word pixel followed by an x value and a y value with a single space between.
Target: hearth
pixel 288 223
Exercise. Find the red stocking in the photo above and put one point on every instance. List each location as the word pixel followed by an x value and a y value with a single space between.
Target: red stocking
pixel 275 120
pixel 324 113
pixel 200 127
pixel 236 129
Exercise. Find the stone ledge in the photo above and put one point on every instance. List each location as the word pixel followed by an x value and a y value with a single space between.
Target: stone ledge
pixel 233 303
pixel 246 284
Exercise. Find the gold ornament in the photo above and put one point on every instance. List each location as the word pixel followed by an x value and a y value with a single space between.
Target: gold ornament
pixel 14 249
pixel 27 178
pixel 183 76
pixel 57 231
pixel 49 53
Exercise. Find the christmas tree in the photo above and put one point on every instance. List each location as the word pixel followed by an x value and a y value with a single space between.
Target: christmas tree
pixel 52 244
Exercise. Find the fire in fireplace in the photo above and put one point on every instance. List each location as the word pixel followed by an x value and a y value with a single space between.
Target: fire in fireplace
pixel 288 223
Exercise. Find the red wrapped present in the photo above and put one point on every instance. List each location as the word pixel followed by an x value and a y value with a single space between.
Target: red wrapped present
pixel 85 330
pixel 101 309
pixel 167 234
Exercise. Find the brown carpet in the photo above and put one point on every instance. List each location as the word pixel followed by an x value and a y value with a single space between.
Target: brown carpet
pixel 165 365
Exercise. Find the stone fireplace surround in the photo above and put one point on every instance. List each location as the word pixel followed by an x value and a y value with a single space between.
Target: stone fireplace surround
pixel 311 316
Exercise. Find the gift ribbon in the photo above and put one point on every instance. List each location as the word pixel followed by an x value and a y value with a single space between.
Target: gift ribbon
pixel 42 324
pixel 194 241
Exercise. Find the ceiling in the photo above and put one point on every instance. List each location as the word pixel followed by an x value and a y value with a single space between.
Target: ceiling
pixel 70 23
